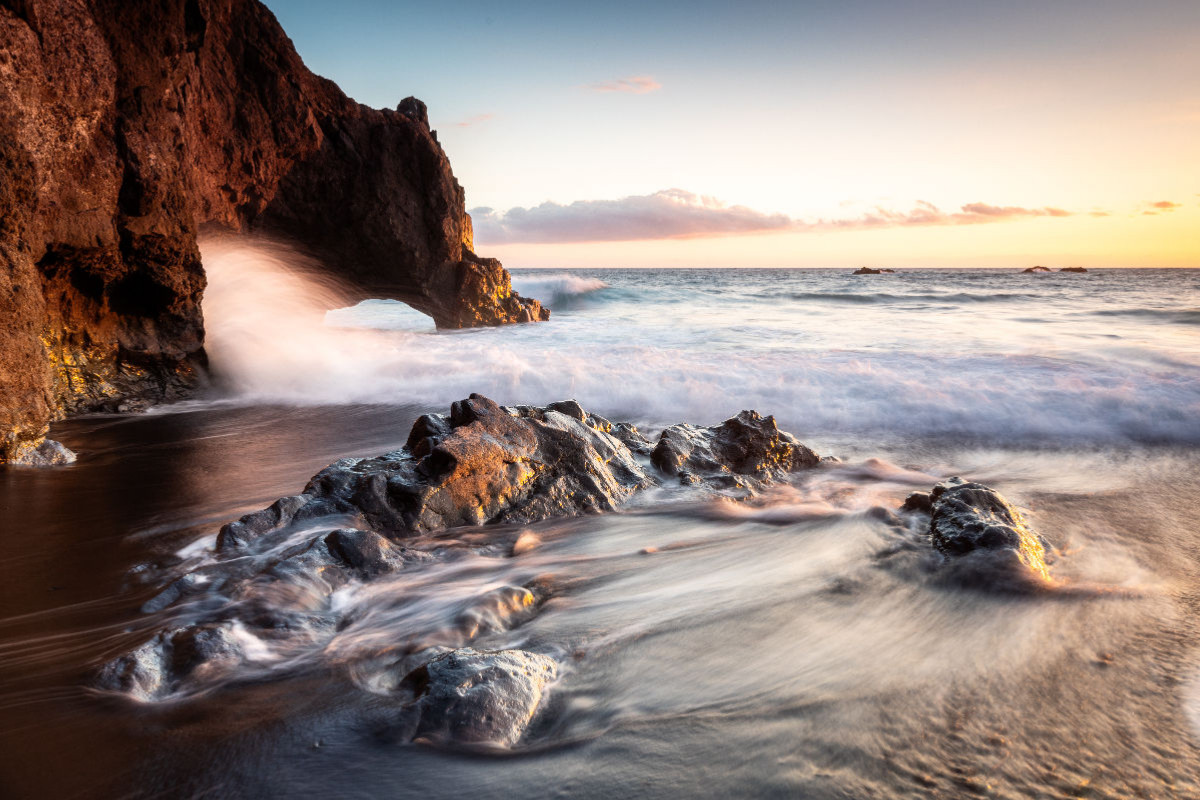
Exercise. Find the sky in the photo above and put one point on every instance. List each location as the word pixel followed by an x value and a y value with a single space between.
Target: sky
pixel 796 134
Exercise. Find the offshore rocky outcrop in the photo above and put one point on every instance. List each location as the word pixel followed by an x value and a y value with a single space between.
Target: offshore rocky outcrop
pixel 127 126
pixel 271 583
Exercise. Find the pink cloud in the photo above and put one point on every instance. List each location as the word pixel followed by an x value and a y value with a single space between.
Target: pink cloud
pixel 637 84
pixel 1166 205
pixel 475 120
pixel 675 213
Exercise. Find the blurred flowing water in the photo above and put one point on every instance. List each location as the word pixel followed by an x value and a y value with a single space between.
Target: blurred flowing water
pixel 786 647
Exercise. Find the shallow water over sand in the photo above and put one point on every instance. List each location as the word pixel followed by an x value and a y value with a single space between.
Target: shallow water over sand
pixel 797 646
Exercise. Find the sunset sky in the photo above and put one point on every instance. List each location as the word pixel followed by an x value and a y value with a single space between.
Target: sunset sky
pixel 796 134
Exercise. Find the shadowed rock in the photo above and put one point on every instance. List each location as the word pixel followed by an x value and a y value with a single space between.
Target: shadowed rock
pixel 1036 269
pixel 985 536
pixel 477 697
pixel 871 271
pixel 1073 269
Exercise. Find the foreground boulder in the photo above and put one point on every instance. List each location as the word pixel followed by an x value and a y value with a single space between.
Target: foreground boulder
pixel 477 697
pixel 484 463
pixel 982 535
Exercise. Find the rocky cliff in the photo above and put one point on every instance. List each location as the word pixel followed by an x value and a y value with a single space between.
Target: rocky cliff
pixel 127 126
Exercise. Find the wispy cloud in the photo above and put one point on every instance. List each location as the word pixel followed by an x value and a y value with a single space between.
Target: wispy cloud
pixel 1166 205
pixel 636 84
pixel 475 120
pixel 675 214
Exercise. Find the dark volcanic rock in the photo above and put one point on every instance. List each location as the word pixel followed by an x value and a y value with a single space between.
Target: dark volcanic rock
pixel 484 463
pixel 973 525
pixel 481 464
pixel 1073 269
pixel 871 271
pixel 126 126
pixel 738 453
pixel 479 697
pixel 1036 269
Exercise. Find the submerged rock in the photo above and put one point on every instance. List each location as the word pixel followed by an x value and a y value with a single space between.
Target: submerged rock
pixel 1073 269
pixel 484 463
pixel 478 697
pixel 974 527
pixel 871 271
pixel 48 453
pixel 1036 269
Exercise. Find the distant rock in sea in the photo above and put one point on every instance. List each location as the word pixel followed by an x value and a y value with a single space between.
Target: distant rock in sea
pixel 1072 269
pixel 1036 269
pixel 871 271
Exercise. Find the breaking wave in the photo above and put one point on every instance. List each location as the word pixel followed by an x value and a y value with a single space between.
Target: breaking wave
pixel 272 340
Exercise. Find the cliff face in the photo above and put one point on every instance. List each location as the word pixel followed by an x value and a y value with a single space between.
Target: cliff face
pixel 125 127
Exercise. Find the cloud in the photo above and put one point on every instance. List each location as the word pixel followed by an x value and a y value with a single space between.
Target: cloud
pixel 1099 214
pixel 636 84
pixel 1166 205
pixel 677 214
pixel 475 120
pixel 669 214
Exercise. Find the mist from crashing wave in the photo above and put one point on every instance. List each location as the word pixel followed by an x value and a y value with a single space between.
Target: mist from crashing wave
pixel 700 345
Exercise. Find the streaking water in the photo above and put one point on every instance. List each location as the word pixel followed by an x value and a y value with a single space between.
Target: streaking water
pixel 799 646
pixel 1110 355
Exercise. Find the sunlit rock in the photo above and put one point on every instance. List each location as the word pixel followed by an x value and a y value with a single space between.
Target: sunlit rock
pixel 985 537
pixel 48 453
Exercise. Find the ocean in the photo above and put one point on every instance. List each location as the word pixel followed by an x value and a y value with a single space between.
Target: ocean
pixel 780 647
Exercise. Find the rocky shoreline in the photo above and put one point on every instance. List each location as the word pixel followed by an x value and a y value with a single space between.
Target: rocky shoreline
pixel 274 573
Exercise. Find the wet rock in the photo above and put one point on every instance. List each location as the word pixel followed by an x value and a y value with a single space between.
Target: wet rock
pixel 742 452
pixel 476 697
pixel 484 463
pixel 973 525
pixel 1073 269
pixel 1036 269
pixel 871 271
pixel 481 464
pixel 48 453
pixel 156 668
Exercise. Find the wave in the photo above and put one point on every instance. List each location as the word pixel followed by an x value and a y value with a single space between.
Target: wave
pixel 1177 316
pixel 556 289
pixel 270 341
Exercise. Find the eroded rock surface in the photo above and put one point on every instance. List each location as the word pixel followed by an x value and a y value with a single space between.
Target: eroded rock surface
pixel 484 463
pixel 477 697
pixel 128 125
pixel 983 535
pixel 743 452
